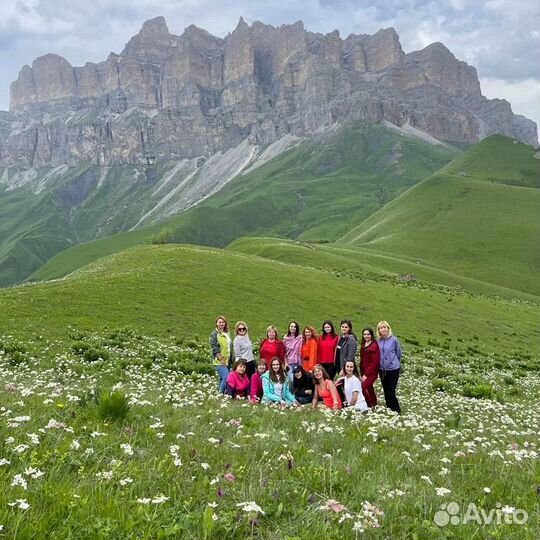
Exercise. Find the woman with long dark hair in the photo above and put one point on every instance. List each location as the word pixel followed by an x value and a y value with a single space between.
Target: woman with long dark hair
pixel 293 346
pixel 346 347
pixel 352 387
pixel 302 386
pixel 369 365
pixel 326 351
pixel 276 385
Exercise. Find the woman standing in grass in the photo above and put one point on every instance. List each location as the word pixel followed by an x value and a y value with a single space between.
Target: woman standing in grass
pixel 272 347
pixel 309 348
pixel 326 350
pixel 243 348
pixel 370 358
pixel 352 387
pixel 221 345
pixel 238 381
pixel 346 347
pixel 390 364
pixel 256 386
pixel 325 389
pixel 276 385
pixel 293 345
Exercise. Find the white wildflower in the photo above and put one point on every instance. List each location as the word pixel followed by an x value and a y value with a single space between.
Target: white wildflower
pixel 250 507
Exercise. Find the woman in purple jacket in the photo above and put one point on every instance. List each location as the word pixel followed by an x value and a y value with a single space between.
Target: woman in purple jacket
pixel 390 365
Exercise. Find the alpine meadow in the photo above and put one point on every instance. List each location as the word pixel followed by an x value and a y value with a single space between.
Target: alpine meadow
pixel 269 176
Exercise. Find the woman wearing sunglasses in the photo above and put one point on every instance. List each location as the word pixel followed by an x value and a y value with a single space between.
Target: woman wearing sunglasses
pixel 243 348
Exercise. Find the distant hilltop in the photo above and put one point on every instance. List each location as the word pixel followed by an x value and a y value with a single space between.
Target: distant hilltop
pixel 193 95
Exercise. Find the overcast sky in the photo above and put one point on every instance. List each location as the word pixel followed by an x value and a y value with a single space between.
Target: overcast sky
pixel 501 38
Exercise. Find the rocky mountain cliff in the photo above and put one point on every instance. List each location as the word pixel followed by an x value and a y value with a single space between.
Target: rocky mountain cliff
pixel 189 96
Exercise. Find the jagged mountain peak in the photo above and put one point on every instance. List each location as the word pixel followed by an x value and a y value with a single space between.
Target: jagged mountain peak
pixel 197 94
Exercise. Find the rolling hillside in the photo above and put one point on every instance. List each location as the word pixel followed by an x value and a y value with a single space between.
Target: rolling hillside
pixel 477 217
pixel 180 289
pixel 367 264
pixel 317 190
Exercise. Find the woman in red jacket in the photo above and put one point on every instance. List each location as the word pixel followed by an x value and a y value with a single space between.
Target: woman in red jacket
pixel 369 365
pixel 272 347
pixel 326 351
pixel 309 348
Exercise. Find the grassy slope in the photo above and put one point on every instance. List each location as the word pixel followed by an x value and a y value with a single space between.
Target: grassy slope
pixel 32 229
pixel 362 263
pixel 160 289
pixel 477 226
pixel 317 190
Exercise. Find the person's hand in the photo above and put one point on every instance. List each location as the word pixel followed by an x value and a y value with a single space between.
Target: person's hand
pixel 364 377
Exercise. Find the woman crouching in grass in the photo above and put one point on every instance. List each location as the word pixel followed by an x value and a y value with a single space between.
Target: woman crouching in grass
pixel 325 389
pixel 276 385
pixel 302 385
pixel 238 381
pixel 352 387
pixel 256 385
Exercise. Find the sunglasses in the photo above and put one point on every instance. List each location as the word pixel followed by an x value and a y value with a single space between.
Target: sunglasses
pixel 242 329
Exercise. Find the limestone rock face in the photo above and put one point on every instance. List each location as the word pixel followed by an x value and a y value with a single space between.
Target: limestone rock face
pixel 193 95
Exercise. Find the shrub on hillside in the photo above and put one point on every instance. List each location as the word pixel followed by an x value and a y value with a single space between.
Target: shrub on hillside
pixel 95 354
pixel 439 385
pixel 113 406
pixel 478 391
pixel 165 236
pixel 14 352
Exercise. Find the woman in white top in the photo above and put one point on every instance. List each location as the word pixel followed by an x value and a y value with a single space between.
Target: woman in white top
pixel 243 348
pixel 352 388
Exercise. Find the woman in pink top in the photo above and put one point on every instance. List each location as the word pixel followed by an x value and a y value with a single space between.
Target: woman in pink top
pixel 238 381
pixel 293 345
pixel 256 386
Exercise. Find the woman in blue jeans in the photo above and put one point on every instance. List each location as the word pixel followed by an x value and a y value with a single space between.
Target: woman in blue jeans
pixel 390 350
pixel 222 351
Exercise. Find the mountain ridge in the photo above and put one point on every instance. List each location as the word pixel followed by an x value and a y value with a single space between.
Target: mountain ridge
pixel 176 97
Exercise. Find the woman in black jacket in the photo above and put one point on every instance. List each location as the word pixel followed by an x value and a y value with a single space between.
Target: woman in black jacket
pixel 302 385
pixel 346 347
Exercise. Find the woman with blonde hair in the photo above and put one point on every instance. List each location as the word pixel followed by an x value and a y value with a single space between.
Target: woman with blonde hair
pixel 272 347
pixel 309 348
pixel 221 345
pixel 243 348
pixel 390 364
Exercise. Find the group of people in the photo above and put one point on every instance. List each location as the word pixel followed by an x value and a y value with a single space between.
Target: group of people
pixel 305 368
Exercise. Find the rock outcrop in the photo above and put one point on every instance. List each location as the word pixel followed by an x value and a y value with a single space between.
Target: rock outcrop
pixel 193 95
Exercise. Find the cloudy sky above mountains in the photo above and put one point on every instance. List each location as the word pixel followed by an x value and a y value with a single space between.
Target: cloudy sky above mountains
pixel 501 38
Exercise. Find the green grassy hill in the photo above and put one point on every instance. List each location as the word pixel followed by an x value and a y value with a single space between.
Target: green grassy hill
pixel 180 289
pixel 317 190
pixel 472 218
pixel 364 263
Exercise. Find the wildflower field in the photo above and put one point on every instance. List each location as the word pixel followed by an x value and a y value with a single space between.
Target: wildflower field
pixel 121 435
